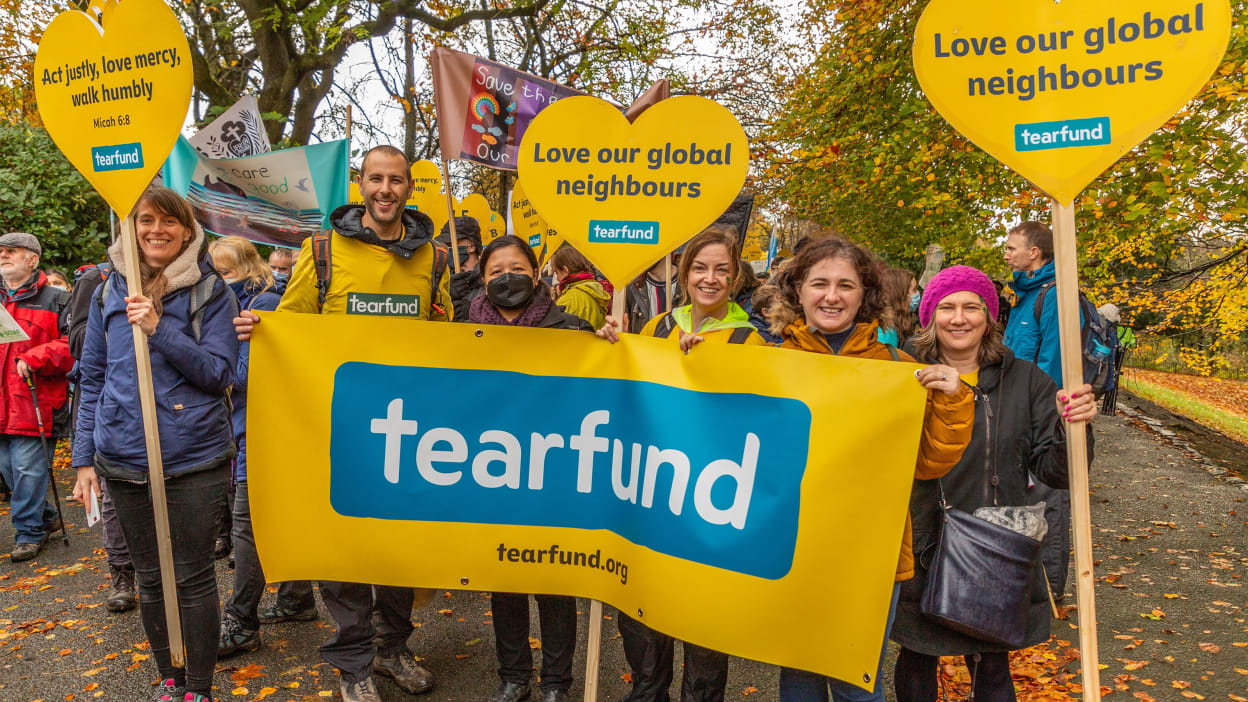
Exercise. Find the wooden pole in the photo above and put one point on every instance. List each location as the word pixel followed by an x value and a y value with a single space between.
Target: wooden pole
pixel 155 467
pixel 348 125
pixel 667 281
pixel 617 307
pixel 1066 260
pixel 450 211
pixel 593 650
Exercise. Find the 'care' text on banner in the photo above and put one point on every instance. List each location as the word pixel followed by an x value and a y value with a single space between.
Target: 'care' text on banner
pixel 738 472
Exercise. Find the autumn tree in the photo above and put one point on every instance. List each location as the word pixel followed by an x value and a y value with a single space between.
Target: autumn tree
pixel 1161 234
pixel 21 25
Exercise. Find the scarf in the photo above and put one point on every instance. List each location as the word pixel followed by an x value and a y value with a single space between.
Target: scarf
pixel 483 312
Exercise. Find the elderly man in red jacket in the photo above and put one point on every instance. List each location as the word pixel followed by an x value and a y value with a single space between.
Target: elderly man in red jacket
pixel 40 311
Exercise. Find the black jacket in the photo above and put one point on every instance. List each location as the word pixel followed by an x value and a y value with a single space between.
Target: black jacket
pixel 1017 429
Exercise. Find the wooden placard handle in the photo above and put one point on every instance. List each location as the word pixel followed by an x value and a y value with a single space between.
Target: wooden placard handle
pixel 155 466
pixel 1066 263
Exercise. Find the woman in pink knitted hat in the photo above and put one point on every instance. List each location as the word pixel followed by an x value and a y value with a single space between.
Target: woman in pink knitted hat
pixel 1019 434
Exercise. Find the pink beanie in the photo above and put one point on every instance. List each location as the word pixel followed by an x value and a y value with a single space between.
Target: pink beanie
pixel 957 279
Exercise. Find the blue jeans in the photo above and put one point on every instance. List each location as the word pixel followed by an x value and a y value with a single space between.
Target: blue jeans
pixel 804 686
pixel 25 469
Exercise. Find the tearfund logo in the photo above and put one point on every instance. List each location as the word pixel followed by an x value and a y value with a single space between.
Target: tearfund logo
pixel 383 305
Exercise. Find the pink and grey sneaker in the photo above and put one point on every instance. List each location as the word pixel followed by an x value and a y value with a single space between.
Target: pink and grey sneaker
pixel 195 697
pixel 169 691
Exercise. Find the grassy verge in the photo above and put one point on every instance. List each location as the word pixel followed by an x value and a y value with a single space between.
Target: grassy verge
pixel 1233 426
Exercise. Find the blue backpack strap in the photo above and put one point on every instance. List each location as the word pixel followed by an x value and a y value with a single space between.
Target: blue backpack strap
pixel 202 293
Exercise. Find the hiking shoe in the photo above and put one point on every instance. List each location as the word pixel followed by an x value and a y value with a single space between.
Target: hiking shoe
pixel 556 696
pixel 413 677
pixel 122 596
pixel 359 691
pixel 283 612
pixel 221 548
pixel 169 691
pixel 27 551
pixel 235 638
pixel 53 525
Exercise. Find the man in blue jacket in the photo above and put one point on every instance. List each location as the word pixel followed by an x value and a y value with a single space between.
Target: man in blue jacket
pixel 1029 251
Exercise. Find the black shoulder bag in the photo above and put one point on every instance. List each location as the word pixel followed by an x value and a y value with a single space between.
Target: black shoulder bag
pixel 979 582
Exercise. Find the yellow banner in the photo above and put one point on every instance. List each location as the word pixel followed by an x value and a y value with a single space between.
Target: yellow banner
pixel 748 499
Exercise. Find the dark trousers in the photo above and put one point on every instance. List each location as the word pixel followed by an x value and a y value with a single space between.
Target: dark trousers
pixel 557 615
pixel 244 603
pixel 649 654
pixel 195 502
pixel 296 593
pixel 1055 554
pixel 350 649
pixel 114 539
pixel 915 677
pixel 226 527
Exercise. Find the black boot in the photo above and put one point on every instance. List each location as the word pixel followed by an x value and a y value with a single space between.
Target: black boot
pixel 122 596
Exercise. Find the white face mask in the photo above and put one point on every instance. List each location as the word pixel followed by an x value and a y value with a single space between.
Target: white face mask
pixel 61 287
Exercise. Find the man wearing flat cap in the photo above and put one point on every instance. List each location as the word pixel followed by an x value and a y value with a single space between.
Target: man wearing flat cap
pixel 41 311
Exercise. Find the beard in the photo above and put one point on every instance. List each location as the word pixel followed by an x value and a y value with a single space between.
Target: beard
pixel 394 217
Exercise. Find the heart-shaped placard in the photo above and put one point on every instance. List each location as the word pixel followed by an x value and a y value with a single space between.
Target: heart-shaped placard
pixel 525 220
pixel 114 100
pixel 426 196
pixel 627 194
pixel 1060 91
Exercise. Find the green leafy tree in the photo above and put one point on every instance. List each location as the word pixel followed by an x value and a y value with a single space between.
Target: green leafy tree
pixel 41 193
pixel 1163 233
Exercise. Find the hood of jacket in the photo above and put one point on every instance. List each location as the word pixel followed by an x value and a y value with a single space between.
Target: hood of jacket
pixel 348 220
pixel 182 273
pixel 1026 281
pixel 863 342
pixel 593 288
pixel 735 318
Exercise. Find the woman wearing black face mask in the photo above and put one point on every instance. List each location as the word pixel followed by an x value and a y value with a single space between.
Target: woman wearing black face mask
pixel 513 293
pixel 514 296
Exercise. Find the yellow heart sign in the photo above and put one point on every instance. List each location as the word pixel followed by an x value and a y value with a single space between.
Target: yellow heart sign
pixel 627 194
pixel 114 100
pixel 525 221
pixel 1060 91
pixel 477 207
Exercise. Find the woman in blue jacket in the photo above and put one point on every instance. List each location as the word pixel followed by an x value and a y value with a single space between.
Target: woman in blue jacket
pixel 251 279
pixel 186 312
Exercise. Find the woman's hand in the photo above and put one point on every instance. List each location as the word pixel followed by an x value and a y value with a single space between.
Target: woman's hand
pixel 1079 407
pixel 87 483
pixel 610 331
pixel 938 377
pixel 688 341
pixel 244 323
pixel 140 311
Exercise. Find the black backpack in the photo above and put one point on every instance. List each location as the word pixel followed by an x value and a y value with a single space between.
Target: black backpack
pixel 1099 342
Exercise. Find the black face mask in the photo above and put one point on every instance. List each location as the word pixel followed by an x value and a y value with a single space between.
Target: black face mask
pixel 510 291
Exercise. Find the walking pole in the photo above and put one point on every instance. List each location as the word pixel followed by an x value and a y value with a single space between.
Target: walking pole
pixel 43 438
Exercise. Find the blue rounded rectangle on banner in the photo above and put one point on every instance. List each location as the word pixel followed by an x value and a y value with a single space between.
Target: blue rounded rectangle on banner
pixel 713 478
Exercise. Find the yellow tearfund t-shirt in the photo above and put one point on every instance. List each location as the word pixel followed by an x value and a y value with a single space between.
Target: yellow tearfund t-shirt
pixel 368 279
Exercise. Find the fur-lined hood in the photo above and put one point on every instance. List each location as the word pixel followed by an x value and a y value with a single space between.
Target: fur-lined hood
pixel 182 273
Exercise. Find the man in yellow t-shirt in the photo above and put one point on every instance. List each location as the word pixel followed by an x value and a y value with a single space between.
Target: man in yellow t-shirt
pixel 377 259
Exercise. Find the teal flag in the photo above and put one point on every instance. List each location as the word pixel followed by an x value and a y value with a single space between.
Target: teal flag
pixel 278 198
